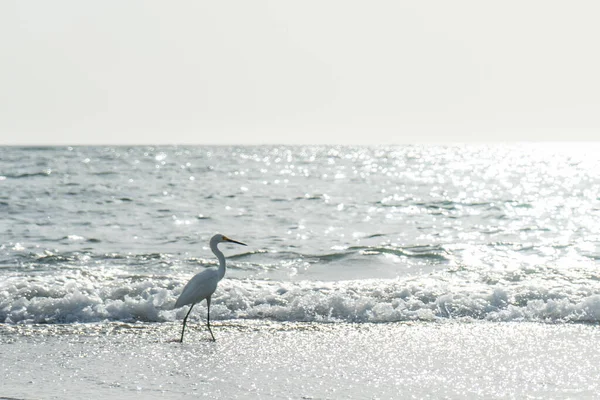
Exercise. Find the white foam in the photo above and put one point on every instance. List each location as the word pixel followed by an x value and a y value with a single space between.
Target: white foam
pixel 91 298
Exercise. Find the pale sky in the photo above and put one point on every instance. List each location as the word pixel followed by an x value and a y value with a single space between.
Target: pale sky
pixel 309 71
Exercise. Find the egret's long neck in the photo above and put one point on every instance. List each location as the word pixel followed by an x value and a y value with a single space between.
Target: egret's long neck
pixel 221 257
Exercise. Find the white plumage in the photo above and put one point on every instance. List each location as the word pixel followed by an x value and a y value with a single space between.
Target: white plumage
pixel 204 283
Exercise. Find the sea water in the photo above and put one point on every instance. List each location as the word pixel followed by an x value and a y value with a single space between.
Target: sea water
pixel 349 234
pixel 108 236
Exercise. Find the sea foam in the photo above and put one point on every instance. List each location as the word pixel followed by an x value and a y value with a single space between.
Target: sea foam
pixel 441 295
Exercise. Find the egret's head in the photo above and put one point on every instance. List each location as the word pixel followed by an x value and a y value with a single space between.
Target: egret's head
pixel 218 238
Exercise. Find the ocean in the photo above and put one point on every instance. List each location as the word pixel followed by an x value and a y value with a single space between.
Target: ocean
pixel 347 245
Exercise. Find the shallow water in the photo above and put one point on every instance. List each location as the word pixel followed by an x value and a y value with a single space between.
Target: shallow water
pixel 262 359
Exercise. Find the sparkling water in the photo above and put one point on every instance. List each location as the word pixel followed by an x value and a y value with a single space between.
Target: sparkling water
pixel 334 234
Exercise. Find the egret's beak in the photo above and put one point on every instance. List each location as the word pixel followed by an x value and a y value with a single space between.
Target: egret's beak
pixel 226 239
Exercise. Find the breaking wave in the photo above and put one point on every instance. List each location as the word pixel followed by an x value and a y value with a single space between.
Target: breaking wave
pixel 81 296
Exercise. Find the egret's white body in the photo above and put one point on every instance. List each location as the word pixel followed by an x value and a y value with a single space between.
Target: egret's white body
pixel 204 284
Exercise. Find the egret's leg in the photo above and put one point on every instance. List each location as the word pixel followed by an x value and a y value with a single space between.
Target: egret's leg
pixel 208 318
pixel 185 320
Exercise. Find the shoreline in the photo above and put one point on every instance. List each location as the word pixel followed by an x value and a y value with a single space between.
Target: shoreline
pixel 264 359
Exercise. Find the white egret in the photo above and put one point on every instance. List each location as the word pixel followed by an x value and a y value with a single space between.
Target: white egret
pixel 204 284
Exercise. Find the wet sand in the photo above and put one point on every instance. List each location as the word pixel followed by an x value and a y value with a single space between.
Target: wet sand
pixel 258 359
